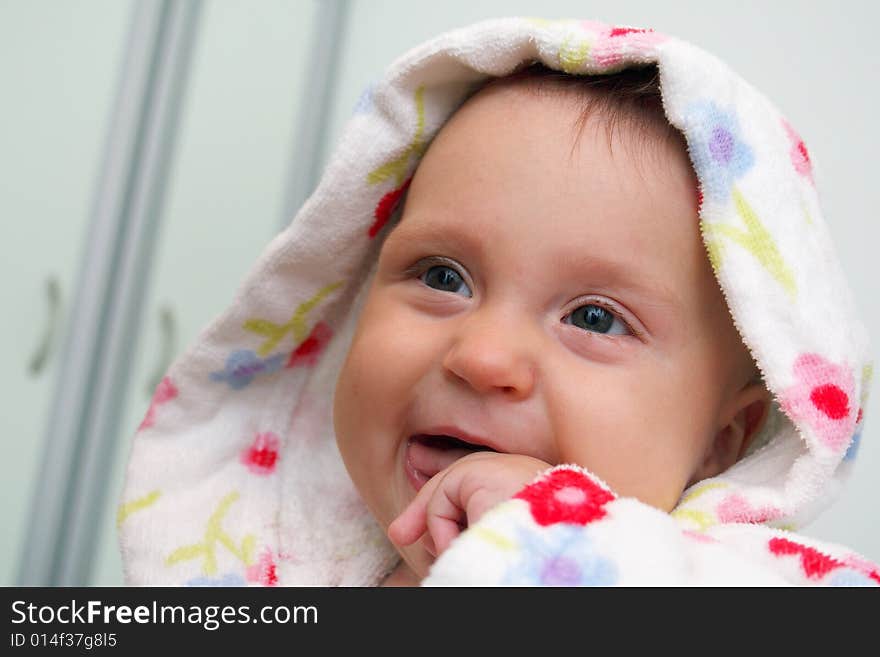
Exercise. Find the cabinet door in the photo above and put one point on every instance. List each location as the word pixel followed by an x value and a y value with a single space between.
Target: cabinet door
pixel 225 199
pixel 58 63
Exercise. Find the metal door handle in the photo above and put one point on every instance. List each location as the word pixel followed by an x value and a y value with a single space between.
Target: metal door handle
pixel 44 349
pixel 167 348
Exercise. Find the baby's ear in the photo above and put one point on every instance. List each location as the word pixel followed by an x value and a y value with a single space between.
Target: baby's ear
pixel 741 420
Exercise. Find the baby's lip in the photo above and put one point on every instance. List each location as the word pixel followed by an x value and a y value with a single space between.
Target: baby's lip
pixel 471 438
pixel 426 455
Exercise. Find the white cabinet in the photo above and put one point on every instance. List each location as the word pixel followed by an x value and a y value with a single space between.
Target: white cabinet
pixel 59 63
pixel 225 197
pixel 146 153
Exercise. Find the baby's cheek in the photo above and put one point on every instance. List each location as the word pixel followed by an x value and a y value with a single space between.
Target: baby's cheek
pixel 370 387
pixel 372 369
pixel 398 348
pixel 356 394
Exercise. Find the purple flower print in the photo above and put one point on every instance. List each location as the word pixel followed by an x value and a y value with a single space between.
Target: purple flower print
pixel 718 150
pixel 243 365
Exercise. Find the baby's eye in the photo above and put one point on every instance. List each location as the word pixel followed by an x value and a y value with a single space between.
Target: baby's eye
pixel 444 278
pixel 597 319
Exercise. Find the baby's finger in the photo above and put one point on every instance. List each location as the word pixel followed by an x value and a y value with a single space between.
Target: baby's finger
pixel 446 517
pixel 406 528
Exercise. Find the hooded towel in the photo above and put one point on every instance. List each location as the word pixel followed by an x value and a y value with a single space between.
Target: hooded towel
pixel 234 475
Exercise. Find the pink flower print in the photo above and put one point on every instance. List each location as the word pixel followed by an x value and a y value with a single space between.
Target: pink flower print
pixel 263 572
pixel 736 508
pixel 613 44
pixel 699 537
pixel 306 354
pixel 821 397
pixel 863 566
pixel 165 391
pixel 800 157
pixel 261 457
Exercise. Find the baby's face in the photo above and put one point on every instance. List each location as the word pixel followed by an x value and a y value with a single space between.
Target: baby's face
pixel 540 301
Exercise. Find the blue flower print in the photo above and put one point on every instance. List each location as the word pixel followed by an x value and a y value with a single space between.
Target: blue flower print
pixel 853 448
pixel 717 149
pixel 560 555
pixel 365 102
pixel 850 577
pixel 229 579
pixel 243 365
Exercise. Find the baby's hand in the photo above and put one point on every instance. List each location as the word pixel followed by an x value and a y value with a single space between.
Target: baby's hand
pixel 459 495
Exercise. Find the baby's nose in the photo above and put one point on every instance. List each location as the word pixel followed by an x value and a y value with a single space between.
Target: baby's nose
pixel 491 355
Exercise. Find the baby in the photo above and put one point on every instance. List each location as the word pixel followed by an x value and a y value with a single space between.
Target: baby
pixel 546 298
pixel 556 314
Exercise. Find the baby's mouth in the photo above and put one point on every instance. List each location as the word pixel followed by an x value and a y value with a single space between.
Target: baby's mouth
pixel 427 455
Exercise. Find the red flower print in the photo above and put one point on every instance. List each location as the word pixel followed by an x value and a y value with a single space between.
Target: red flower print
pixel 165 391
pixel 566 495
pixel 261 457
pixel 385 207
pixel 620 31
pixel 822 398
pixel 307 352
pixel 815 564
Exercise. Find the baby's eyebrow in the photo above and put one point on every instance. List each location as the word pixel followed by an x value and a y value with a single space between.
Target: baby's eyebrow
pixel 588 266
pixel 406 232
pixel 616 274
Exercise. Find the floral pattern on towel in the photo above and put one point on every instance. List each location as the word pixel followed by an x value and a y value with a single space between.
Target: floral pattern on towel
pixel 822 396
pixel 626 541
